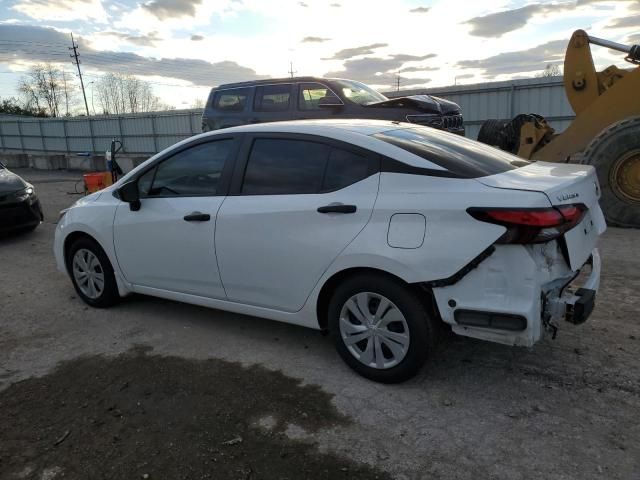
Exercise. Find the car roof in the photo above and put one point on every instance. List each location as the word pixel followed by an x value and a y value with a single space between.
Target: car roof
pixel 270 81
pixel 320 127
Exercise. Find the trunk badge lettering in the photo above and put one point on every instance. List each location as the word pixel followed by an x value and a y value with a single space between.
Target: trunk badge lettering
pixel 567 196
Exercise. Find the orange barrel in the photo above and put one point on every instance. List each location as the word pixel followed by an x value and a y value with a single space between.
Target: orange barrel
pixel 96 181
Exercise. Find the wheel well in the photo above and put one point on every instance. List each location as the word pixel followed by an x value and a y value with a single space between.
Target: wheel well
pixel 322 306
pixel 71 238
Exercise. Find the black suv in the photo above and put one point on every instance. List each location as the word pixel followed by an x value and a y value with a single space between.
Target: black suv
pixel 309 98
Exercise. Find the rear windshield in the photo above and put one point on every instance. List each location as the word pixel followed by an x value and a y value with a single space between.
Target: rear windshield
pixel 461 156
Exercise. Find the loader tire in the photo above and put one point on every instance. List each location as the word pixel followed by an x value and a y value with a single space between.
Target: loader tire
pixel 492 132
pixel 615 154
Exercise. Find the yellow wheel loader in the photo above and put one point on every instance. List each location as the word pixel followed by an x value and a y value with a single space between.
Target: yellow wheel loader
pixel 605 132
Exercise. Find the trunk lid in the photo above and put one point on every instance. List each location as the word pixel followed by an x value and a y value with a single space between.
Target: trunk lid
pixel 563 184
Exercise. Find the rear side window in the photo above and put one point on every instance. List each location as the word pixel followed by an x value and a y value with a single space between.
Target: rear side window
pixel 281 166
pixel 272 98
pixel 460 156
pixel 284 166
pixel 310 94
pixel 345 168
pixel 195 171
pixel 233 100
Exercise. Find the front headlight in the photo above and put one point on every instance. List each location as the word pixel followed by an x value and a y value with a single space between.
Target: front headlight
pixel 26 193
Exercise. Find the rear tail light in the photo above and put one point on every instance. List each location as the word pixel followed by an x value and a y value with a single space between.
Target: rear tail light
pixel 531 225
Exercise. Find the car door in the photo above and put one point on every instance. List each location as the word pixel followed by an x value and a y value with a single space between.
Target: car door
pixel 296 203
pixel 168 244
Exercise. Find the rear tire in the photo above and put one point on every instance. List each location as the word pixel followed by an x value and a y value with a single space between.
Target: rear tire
pixel 615 154
pixel 92 274
pixel 390 342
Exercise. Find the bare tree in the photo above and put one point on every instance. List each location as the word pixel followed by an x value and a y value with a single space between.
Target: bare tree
pixel 551 70
pixel 119 94
pixel 42 88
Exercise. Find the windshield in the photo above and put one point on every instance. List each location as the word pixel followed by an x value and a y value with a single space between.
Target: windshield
pixel 359 92
pixel 466 158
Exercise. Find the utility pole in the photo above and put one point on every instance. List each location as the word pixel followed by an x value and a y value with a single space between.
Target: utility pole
pixel 291 71
pixel 66 95
pixel 398 83
pixel 75 55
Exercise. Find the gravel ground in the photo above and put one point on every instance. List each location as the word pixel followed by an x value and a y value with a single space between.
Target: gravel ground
pixel 156 388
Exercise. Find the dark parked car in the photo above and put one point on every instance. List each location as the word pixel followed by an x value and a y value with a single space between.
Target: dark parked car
pixel 19 205
pixel 309 98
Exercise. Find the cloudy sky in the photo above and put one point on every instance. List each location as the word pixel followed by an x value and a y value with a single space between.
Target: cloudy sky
pixel 186 46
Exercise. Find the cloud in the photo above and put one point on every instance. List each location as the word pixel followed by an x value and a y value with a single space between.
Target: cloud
pixel 197 38
pixel 356 51
pixel 420 10
pixel 198 72
pixel 521 61
pixel 302 4
pixel 419 69
pixel 625 22
pixel 148 40
pixel 634 39
pixel 335 5
pixel 61 10
pixel 165 9
pixel 315 39
pixel 379 71
pixel 497 24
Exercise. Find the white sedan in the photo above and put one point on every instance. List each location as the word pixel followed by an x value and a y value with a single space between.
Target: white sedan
pixel 378 232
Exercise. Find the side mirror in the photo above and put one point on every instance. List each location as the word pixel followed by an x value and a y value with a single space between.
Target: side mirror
pixel 330 101
pixel 129 193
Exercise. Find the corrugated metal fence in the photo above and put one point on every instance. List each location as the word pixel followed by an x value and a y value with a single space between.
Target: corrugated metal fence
pixel 505 100
pixel 139 133
pixel 152 132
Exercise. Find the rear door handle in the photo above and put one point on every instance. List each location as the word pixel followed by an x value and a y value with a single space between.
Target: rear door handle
pixel 337 208
pixel 197 217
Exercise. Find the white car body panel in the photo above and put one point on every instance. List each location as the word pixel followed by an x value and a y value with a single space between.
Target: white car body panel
pixel 260 242
pixel 156 247
pixel 264 241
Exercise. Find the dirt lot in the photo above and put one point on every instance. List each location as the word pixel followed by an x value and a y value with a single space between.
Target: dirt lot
pixel 156 389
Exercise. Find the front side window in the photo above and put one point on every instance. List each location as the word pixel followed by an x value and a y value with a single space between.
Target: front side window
pixel 233 100
pixel 272 98
pixel 282 166
pixel 195 171
pixel 461 156
pixel 359 92
pixel 310 94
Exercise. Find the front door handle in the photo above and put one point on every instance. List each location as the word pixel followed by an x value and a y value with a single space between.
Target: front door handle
pixel 197 217
pixel 337 208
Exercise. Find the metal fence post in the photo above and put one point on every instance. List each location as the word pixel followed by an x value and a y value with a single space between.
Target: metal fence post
pixel 191 123
pixel 155 135
pixel 20 136
pixel 64 133
pixel 120 131
pixel 1 137
pixel 93 141
pixel 42 141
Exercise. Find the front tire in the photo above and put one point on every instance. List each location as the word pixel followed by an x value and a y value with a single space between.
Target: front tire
pixel 92 274
pixel 380 328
